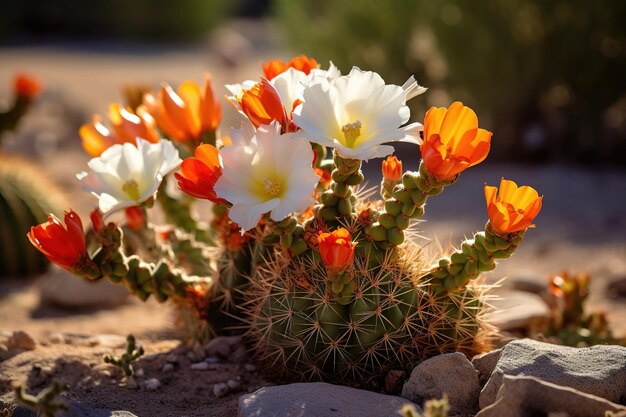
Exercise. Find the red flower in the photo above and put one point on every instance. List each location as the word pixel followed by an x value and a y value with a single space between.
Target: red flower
pixel 301 63
pixel 26 86
pixel 135 218
pixel 198 175
pixel 336 249
pixel 63 245
pixel 96 220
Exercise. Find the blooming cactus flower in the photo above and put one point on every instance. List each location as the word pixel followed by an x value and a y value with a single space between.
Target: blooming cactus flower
pixel 513 208
pixel 127 175
pixel 63 245
pixel 392 168
pixel 301 63
pixel 269 173
pixel 127 127
pixel 452 141
pixel 336 249
pixel 198 175
pixel 355 114
pixel 26 86
pixel 186 114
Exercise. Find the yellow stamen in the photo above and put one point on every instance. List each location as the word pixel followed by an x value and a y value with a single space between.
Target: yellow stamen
pixel 351 132
pixel 131 188
pixel 271 186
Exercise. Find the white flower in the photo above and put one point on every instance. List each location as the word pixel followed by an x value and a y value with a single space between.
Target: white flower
pixel 270 173
pixel 356 114
pixel 126 175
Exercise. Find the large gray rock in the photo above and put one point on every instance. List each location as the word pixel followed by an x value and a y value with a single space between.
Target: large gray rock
pixel 75 409
pixel 485 364
pixel 319 399
pixel 523 396
pixel 60 288
pixel 518 310
pixel 598 370
pixel 450 373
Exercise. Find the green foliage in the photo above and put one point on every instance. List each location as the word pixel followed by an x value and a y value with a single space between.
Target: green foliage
pixel 125 362
pixel 547 77
pixel 47 402
pixel 432 408
pixel 26 198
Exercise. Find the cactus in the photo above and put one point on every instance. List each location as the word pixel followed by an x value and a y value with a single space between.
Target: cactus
pixel 432 408
pixel 26 197
pixel 47 402
pixel 125 362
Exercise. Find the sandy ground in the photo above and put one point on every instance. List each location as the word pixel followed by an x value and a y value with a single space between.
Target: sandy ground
pixel 582 227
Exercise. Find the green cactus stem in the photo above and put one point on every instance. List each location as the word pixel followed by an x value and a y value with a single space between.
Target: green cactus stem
pixel 406 202
pixel 47 403
pixel 340 286
pixel 432 408
pixel 125 362
pixel 178 213
pixel 338 201
pixel 475 256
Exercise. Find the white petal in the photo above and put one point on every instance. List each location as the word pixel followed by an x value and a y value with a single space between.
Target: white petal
pixel 289 85
pixel 171 158
pixel 413 133
pixel 412 88
pixel 247 216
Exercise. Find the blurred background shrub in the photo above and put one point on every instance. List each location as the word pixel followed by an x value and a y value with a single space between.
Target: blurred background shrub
pixel 548 77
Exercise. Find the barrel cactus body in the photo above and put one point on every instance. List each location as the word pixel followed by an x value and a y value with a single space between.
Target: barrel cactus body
pixel 392 322
pixel 26 198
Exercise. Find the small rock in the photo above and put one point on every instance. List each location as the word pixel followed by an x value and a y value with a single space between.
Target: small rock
pixel 168 367
pixel 152 384
pixel 198 351
pixel 250 367
pixel 139 373
pixel 233 385
pixel 220 389
pixel 597 370
pixel 449 373
pixel 130 383
pixel 200 366
pixel 111 341
pixel 485 364
pixel 192 356
pixel 518 310
pixel 171 358
pixel 521 396
pixel 239 355
pixel 212 360
pixel 222 346
pixel 57 338
pixel 21 340
pixel 59 287
pixel 75 409
pixel 319 399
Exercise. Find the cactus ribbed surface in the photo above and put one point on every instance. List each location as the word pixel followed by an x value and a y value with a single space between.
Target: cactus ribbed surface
pixel 392 322
pixel 26 198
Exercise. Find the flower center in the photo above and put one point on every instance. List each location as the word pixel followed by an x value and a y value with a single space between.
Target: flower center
pixel 131 188
pixel 351 132
pixel 271 186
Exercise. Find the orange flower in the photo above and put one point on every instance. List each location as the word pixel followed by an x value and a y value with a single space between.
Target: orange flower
pixel 127 127
pixel 513 209
pixel 452 141
pixel 63 245
pixel 336 249
pixel 135 218
pixel 276 66
pixel 262 104
pixel 392 168
pixel 26 86
pixel 186 114
pixel 198 175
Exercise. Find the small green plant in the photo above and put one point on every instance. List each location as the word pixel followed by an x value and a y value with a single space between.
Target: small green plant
pixel 125 362
pixel 46 403
pixel 432 408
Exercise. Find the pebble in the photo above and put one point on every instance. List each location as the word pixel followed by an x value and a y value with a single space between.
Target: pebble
pixel 212 360
pixel 198 351
pixel 233 385
pixel 171 358
pixel 249 367
pixel 21 340
pixel 152 384
pixel 168 367
pixel 131 383
pixel 220 389
pixel 139 373
pixel 57 338
pixel 200 366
